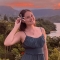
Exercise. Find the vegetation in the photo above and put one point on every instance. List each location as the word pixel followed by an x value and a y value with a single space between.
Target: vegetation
pixel 16 51
pixel 49 26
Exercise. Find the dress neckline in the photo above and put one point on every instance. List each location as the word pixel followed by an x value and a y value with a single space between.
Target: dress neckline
pixel 34 37
pixel 31 37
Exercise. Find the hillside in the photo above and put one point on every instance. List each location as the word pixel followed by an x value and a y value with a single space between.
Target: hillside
pixel 54 19
pixel 9 11
pixel 47 14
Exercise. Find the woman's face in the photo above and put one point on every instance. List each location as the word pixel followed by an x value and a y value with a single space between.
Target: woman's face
pixel 29 18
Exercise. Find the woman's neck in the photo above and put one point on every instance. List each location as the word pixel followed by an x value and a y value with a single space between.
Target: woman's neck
pixel 30 27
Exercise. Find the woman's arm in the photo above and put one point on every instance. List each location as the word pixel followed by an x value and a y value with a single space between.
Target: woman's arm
pixel 45 46
pixel 13 36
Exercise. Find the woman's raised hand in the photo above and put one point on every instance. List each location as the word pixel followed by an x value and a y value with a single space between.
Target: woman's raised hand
pixel 17 23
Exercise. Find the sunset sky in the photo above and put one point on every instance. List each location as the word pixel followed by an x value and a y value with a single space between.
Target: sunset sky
pixel 53 4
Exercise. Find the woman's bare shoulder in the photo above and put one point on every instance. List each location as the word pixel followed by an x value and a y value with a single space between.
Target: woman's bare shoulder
pixel 20 33
pixel 41 28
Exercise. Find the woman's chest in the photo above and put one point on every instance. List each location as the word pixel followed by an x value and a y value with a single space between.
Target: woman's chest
pixel 33 42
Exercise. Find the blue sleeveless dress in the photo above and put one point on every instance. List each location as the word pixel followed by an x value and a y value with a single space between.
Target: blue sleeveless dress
pixel 33 48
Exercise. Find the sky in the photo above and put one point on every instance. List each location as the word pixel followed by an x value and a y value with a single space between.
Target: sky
pixel 49 4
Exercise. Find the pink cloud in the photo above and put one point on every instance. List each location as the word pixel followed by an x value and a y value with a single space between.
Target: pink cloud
pixel 57 6
pixel 23 4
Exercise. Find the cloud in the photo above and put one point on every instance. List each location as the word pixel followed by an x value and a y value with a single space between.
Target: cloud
pixel 57 6
pixel 31 3
pixel 22 4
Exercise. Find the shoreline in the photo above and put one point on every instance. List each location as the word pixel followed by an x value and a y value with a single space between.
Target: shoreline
pixel 55 33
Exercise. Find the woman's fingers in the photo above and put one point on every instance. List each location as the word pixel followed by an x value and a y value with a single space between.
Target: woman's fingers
pixel 18 20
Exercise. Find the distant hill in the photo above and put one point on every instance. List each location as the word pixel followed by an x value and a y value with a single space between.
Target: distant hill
pixel 55 19
pixel 9 11
pixel 49 14
pixel 46 12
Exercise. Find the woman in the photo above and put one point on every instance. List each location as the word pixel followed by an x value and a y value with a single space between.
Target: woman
pixel 33 38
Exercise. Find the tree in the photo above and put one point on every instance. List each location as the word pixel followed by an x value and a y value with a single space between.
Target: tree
pixel 54 55
pixel 5 18
pixel 47 25
pixel 12 19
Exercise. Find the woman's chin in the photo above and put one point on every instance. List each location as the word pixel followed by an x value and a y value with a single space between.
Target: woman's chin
pixel 31 23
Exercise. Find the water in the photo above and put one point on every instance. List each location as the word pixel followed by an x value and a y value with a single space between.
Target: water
pixel 55 33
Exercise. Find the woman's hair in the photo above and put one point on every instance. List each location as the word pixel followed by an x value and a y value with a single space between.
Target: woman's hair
pixel 23 25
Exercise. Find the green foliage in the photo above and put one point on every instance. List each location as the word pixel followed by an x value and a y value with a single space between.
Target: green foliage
pixel 53 47
pixel 12 19
pixel 5 18
pixel 2 28
pixel 54 55
pixel 4 59
pixel 49 26
pixel 53 42
pixel 1 39
pixel 18 57
pixel 14 52
pixel 5 27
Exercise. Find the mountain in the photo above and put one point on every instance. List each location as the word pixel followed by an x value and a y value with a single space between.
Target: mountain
pixel 9 11
pixel 48 14
pixel 54 19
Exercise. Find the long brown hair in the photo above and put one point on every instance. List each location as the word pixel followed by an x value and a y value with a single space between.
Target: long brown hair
pixel 23 25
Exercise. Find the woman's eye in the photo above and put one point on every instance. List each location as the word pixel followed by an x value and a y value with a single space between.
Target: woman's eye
pixel 28 17
pixel 31 15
